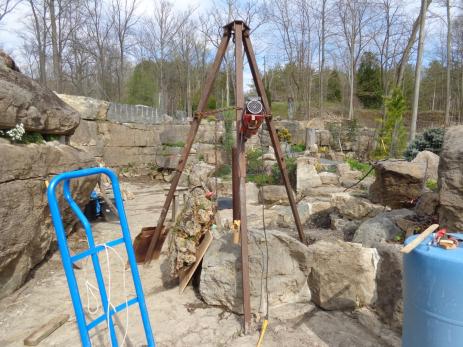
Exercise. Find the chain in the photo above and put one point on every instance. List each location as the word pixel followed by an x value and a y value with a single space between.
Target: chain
pixel 213 112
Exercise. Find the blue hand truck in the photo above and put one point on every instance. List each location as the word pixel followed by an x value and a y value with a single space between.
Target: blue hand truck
pixel 92 251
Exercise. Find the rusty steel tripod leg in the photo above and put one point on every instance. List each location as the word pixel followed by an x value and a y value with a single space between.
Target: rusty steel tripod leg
pixel 191 136
pixel 241 156
pixel 273 135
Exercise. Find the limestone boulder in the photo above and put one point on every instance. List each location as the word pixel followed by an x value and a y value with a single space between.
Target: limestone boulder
pixel 380 228
pixel 199 173
pixel 431 163
pixel 329 178
pixel 354 207
pixel 252 193
pixel 27 233
pixel 23 100
pixel 398 183
pixel 389 302
pixel 288 270
pixel 428 204
pixel 450 179
pixel 88 108
pixel 307 175
pixel 343 275
pixel 273 194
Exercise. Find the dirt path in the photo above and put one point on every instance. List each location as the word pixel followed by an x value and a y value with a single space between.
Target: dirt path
pixel 177 320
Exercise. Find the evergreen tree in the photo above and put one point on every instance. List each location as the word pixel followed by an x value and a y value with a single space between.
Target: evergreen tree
pixel 393 139
pixel 141 87
pixel 369 89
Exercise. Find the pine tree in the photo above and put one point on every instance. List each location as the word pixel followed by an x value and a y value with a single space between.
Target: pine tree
pixel 369 89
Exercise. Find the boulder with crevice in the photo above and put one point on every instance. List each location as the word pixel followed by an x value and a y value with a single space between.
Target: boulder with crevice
pixel 450 179
pixel 431 163
pixel 288 269
pixel 27 234
pixel 398 183
pixel 23 100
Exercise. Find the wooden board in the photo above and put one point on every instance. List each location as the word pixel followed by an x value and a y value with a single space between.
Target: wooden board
pixel 45 330
pixel 185 276
pixel 420 238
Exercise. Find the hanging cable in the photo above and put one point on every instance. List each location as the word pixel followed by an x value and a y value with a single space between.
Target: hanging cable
pixel 265 322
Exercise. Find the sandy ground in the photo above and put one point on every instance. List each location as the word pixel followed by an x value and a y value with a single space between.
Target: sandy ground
pixel 177 320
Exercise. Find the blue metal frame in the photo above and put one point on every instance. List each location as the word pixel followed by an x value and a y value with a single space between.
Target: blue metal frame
pixel 92 251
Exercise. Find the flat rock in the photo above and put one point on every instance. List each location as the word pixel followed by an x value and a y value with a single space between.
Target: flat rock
pixel 353 207
pixel 273 194
pixel 329 178
pixel 88 108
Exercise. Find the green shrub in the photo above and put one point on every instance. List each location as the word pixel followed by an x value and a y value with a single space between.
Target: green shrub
pixel 254 161
pixel 432 185
pixel 260 179
pixel 224 171
pixel 431 140
pixel 291 167
pixel 175 144
pixel 298 148
pixel 32 138
pixel 359 166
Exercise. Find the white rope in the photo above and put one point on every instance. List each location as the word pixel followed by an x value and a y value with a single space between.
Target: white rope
pixel 90 290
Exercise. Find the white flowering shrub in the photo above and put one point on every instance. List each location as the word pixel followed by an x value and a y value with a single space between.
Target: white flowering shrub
pixel 16 134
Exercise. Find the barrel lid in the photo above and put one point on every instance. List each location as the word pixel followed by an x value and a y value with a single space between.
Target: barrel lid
pixel 426 248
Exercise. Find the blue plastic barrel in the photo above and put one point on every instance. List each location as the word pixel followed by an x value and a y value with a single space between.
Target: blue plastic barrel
pixel 433 296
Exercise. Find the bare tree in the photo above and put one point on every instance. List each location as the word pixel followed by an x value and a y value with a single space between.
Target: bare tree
pixel 419 59
pixel 7 6
pixel 124 19
pixel 39 31
pixel 354 18
pixel 408 48
pixel 449 65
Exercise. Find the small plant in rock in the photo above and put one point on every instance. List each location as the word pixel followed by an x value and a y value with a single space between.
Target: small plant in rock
pixel 432 184
pixel 359 166
pixel 284 135
pixel 431 140
pixel 16 134
pixel 175 144
pixel 260 179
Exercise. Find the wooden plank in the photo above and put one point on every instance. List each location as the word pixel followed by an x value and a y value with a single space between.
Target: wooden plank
pixel 45 330
pixel 186 275
pixel 420 238
pixel 189 142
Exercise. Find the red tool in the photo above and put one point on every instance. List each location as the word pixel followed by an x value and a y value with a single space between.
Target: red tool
pixel 253 117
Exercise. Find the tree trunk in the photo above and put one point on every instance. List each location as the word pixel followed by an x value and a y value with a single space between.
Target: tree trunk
pixel 322 53
pixel 419 59
pixel 411 40
pixel 55 49
pixel 449 66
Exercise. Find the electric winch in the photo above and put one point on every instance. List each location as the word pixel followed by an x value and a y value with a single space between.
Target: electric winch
pixel 253 117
